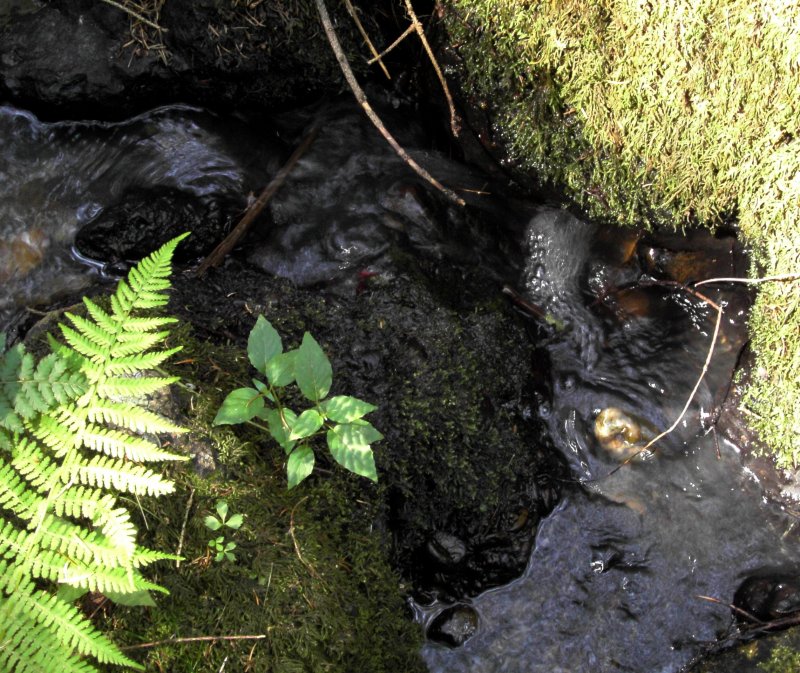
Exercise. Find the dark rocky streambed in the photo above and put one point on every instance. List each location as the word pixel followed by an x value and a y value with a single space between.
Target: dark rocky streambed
pixel 529 544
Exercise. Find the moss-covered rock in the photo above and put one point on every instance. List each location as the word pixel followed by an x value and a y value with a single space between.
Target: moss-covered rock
pixel 662 112
pixel 776 653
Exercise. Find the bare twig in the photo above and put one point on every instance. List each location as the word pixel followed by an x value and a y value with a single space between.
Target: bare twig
pixel 735 609
pixel 454 125
pixel 135 15
pixel 195 639
pixel 750 281
pixel 363 32
pixel 307 565
pixel 405 34
pixel 358 92
pixel 183 528
pixel 230 241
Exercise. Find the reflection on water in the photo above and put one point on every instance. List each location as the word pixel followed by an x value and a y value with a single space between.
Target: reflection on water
pixel 616 575
pixel 57 177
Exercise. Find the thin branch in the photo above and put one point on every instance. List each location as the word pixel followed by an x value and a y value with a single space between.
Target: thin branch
pixel 135 15
pixel 700 378
pixel 405 34
pixel 358 92
pixel 734 608
pixel 750 281
pixel 454 125
pixel 195 639
pixel 307 565
pixel 183 528
pixel 230 241
pixel 363 32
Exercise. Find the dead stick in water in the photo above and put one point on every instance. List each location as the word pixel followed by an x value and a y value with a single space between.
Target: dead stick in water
pixel 706 364
pixel 229 242
pixel 361 97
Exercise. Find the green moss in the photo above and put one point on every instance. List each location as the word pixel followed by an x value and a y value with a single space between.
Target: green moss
pixel 664 111
pixel 311 574
pixel 782 660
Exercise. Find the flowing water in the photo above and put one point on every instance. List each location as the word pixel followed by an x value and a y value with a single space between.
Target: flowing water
pixel 619 570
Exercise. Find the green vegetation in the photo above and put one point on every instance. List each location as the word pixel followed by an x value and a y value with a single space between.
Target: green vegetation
pixel 311 578
pixel 782 660
pixel 669 112
pixel 223 548
pixel 340 418
pixel 68 444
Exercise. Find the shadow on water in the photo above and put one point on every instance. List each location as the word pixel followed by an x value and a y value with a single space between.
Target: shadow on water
pixel 616 576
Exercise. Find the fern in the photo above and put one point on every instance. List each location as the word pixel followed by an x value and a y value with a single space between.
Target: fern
pixel 71 441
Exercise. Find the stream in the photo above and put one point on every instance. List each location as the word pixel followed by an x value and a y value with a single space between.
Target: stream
pixel 619 570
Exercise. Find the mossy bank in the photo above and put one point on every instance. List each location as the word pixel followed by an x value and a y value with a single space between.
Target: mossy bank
pixel 664 112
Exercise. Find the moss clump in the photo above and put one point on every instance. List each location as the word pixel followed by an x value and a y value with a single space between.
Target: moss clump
pixel 782 660
pixel 310 575
pixel 685 110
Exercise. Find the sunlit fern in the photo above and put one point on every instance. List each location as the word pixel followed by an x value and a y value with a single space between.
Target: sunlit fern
pixel 70 441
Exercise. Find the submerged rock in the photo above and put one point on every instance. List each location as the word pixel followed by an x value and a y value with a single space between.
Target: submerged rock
pixel 453 626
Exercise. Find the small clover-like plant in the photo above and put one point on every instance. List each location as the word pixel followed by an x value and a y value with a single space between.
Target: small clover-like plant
pixel 223 549
pixel 339 418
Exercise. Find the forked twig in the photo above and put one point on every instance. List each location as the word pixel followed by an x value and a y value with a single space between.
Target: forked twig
pixel 361 97
pixel 230 241
pixel 363 32
pixel 402 37
pixel 734 608
pixel 454 126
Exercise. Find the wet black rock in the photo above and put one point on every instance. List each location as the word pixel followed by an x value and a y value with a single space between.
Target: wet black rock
pixel 446 549
pixel 144 219
pixel 768 597
pixel 77 57
pixel 453 626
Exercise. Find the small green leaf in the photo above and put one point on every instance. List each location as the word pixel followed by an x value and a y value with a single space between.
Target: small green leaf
pixel 69 593
pixel 307 424
pixel 357 458
pixel 132 599
pixel 212 522
pixel 263 344
pixel 222 509
pixel 235 522
pixel 299 465
pixel 312 370
pixel 280 432
pixel 261 387
pixel 280 369
pixel 239 406
pixel 360 433
pixel 343 408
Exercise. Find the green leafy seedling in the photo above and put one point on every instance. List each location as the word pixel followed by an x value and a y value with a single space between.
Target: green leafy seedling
pixel 223 549
pixel 340 419
pixel 216 522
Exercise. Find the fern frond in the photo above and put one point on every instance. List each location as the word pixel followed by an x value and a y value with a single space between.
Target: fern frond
pixel 132 417
pixel 123 445
pixel 68 625
pixel 111 473
pixel 140 386
pixel 27 648
pixel 58 522
pixel 139 362
pixel 132 342
pixel 97 334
